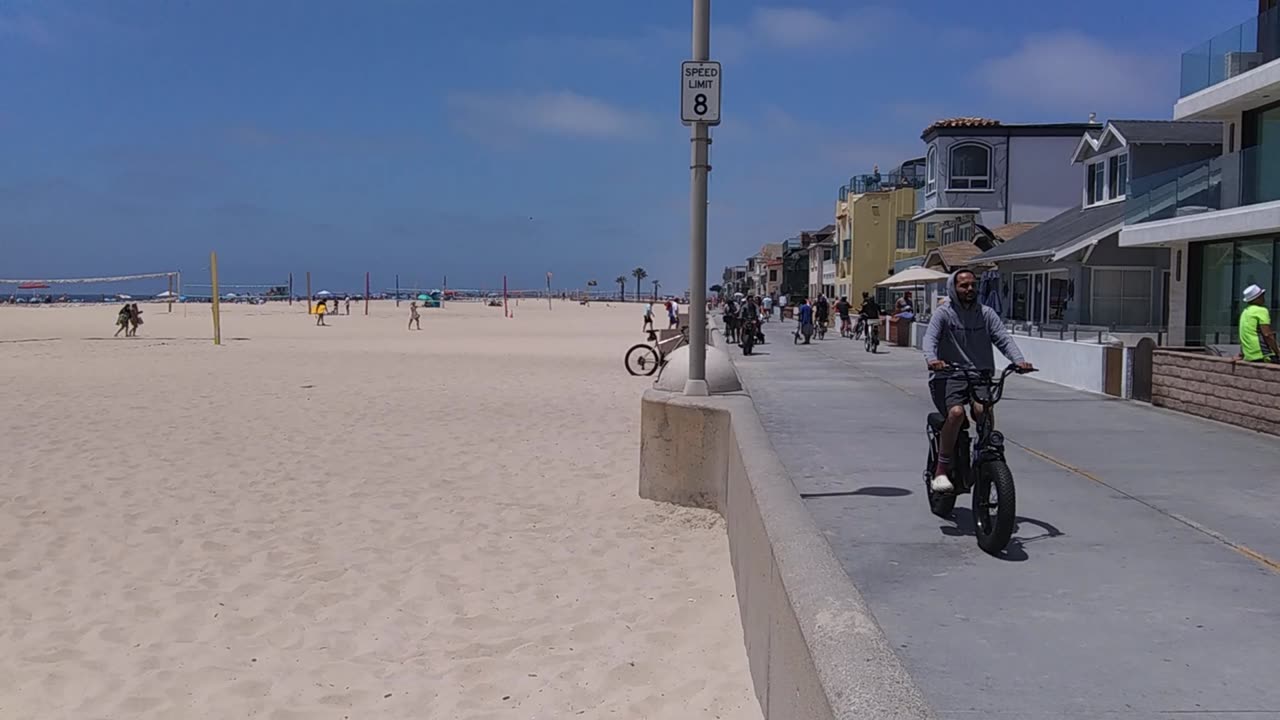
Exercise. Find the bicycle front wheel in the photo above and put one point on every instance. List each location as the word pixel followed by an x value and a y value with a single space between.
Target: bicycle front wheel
pixel 642 360
pixel 994 506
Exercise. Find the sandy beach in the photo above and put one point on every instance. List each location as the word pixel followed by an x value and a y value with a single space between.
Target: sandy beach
pixel 357 521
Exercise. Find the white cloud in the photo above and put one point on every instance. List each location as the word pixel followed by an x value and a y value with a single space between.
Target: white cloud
pixel 558 113
pixel 794 28
pixel 1067 71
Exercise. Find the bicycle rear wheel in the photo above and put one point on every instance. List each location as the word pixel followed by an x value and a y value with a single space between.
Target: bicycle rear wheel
pixel 994 506
pixel 642 360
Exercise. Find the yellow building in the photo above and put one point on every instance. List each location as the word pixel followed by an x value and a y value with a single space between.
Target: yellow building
pixel 881 233
pixel 842 246
pixel 874 228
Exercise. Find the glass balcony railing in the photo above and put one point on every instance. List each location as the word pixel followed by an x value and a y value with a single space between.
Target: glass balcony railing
pixel 873 182
pixel 1247 177
pixel 1244 47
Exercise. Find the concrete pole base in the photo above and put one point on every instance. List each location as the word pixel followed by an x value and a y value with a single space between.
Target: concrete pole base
pixel 697 388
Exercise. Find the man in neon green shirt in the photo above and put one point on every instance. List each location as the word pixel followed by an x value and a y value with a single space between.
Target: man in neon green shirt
pixel 1255 328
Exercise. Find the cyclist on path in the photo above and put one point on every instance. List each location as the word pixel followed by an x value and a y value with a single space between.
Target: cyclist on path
pixel 961 332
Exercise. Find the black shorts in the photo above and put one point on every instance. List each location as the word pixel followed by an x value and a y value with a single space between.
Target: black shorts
pixel 948 392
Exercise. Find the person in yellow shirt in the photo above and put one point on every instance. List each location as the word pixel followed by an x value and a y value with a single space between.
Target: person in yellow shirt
pixel 321 308
pixel 1257 339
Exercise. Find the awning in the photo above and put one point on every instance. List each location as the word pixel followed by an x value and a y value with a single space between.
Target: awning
pixel 917 275
pixel 944 214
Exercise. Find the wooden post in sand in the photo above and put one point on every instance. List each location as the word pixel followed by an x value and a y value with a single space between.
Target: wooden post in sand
pixel 505 311
pixel 213 280
pixel 397 291
pixel 170 295
pixel 366 292
pixel 290 289
pixel 309 309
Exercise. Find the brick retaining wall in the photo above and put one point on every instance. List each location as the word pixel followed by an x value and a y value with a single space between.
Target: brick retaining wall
pixel 1222 389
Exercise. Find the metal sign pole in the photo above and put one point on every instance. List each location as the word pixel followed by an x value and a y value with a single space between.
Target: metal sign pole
pixel 699 167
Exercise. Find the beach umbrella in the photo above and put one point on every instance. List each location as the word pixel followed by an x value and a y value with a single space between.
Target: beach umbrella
pixel 124 297
pixel 917 275
pixel 167 294
pixel 324 294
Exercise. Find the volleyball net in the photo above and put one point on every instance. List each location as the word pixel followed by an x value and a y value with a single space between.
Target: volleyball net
pixel 234 292
pixel 160 286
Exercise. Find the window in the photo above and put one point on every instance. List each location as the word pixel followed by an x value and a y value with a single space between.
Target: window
pixel 773 276
pixel 1121 297
pixel 911 236
pixel 930 232
pixel 948 235
pixel 902 234
pixel 965 233
pixel 848 248
pixel 1107 179
pixel 826 254
pixel 1095 182
pixel 931 170
pixel 1118 176
pixel 970 167
pixel 1040 297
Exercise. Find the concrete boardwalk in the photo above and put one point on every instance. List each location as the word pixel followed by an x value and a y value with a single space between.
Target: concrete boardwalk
pixel 1141 582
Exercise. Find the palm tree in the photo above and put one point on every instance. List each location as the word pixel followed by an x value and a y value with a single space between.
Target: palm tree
pixel 656 285
pixel 639 274
pixel 622 287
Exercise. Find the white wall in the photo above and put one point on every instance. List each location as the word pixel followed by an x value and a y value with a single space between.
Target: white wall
pixel 1077 365
pixel 1042 180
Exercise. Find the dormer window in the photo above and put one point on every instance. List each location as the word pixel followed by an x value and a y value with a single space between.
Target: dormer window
pixel 1107 179
pixel 970 167
pixel 931 170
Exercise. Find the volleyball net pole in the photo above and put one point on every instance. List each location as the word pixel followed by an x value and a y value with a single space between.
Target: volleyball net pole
pixel 309 308
pixel 213 280
pixel 366 292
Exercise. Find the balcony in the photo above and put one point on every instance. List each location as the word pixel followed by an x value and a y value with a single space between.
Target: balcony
pixel 1243 178
pixel 1244 47
pixel 859 184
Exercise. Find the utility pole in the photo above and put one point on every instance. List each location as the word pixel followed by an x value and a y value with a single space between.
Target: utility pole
pixel 697 96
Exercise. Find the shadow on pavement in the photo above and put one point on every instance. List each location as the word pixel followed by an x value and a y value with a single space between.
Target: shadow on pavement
pixel 1015 552
pixel 870 490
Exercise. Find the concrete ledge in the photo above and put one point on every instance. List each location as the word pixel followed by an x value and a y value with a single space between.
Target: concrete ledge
pixel 814 648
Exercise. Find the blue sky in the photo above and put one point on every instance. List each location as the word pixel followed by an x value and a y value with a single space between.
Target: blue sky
pixel 511 136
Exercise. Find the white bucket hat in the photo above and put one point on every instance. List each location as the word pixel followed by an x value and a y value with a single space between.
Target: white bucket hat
pixel 1252 292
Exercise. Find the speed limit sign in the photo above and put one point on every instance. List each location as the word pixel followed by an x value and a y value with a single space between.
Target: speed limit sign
pixel 700 93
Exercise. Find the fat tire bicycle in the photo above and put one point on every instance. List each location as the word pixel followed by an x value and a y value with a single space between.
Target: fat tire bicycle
pixel 983 472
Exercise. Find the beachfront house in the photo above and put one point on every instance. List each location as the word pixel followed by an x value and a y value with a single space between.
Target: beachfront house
pixel 981 174
pixel 822 266
pixel 874 228
pixel 1070 269
pixel 1218 220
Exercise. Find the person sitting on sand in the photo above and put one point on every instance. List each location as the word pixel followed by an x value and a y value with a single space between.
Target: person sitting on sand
pixel 321 309
pixel 414 317
pixel 122 320
pixel 135 319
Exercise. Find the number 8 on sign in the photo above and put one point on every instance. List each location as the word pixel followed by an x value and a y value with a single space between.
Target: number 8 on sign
pixel 700 93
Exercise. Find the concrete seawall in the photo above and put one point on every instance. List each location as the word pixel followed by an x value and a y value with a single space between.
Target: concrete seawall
pixel 814 649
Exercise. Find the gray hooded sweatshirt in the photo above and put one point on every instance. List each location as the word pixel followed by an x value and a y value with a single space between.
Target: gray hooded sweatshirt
pixel 963 335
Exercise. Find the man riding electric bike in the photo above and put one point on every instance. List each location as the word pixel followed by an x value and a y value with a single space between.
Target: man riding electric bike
pixel 961 333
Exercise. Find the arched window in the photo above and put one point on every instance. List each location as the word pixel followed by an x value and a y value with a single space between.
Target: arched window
pixel 931 170
pixel 970 167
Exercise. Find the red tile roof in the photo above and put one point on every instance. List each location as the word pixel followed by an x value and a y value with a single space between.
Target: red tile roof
pixel 962 122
